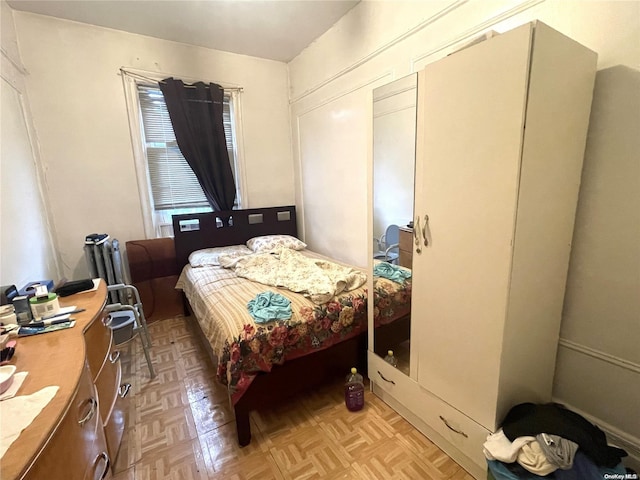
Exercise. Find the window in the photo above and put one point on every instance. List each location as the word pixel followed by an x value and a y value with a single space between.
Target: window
pixel 172 185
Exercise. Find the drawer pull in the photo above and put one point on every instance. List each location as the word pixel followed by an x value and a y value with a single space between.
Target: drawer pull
pixel 114 356
pixel 459 432
pixel 92 410
pixel 123 391
pixel 107 463
pixel 386 380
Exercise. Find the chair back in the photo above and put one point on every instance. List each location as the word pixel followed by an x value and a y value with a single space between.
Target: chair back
pixel 392 235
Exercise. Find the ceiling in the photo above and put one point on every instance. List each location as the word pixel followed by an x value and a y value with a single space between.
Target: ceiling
pixel 273 29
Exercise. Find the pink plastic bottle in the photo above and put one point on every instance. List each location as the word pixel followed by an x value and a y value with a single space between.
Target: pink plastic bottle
pixel 354 391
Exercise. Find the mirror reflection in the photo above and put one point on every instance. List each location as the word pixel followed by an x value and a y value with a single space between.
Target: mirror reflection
pixel 394 140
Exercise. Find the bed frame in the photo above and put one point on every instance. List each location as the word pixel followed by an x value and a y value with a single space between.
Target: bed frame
pixel 235 227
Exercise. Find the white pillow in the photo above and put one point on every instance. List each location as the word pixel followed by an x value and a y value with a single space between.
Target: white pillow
pixel 209 256
pixel 273 243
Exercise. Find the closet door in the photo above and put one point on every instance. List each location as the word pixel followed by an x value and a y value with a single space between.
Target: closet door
pixel 470 127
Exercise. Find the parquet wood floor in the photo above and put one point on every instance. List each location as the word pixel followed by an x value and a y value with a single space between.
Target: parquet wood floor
pixel 180 426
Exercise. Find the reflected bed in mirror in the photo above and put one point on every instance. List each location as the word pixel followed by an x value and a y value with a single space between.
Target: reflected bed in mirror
pixel 394 140
pixel 392 313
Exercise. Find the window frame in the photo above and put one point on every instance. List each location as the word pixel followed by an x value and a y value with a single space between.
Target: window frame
pixel 153 228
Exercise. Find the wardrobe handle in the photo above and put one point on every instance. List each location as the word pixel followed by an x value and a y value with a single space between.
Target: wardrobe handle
pixel 389 381
pixel 416 235
pixel 92 410
pixel 425 229
pixel 459 432
pixel 114 356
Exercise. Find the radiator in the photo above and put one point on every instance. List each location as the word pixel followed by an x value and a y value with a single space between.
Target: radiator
pixel 104 261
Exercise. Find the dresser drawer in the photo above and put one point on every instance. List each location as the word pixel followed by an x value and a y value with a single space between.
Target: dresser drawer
pixel 107 384
pixel 406 240
pixel 100 468
pixel 77 441
pixel 98 338
pixel 114 428
pixel 405 259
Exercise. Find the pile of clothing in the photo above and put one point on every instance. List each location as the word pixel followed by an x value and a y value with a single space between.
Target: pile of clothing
pixel 549 441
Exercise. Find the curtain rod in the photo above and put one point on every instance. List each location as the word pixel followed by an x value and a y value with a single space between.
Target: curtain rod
pixel 139 76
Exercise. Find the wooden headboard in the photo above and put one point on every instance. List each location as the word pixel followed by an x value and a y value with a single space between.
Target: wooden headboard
pixel 232 227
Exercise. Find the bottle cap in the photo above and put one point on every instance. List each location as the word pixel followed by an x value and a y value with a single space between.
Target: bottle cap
pixel 354 370
pixel 390 353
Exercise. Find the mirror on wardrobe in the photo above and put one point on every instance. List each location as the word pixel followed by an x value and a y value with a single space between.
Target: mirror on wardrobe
pixel 394 142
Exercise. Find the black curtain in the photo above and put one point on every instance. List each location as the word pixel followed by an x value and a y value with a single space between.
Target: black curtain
pixel 196 115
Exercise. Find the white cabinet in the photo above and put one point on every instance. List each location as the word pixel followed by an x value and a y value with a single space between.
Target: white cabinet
pixel 501 131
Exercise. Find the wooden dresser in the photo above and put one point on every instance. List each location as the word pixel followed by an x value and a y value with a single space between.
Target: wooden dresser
pixel 77 435
pixel 406 247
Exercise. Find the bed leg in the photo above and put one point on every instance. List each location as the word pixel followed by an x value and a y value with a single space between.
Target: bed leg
pixel 185 305
pixel 243 427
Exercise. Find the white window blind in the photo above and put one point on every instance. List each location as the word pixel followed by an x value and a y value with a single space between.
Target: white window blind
pixel 173 183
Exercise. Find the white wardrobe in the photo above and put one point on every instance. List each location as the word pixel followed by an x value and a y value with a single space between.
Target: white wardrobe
pixel 500 136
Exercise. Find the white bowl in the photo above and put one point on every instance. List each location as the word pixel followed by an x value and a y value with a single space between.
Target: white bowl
pixel 6 377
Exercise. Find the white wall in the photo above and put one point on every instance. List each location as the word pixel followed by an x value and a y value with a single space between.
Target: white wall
pixel 80 116
pixel 27 248
pixel 377 42
pixel 601 317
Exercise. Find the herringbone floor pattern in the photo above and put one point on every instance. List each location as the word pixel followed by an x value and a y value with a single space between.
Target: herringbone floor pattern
pixel 180 426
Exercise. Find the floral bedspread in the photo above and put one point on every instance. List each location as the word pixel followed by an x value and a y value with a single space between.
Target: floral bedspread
pixel 258 348
pixel 391 300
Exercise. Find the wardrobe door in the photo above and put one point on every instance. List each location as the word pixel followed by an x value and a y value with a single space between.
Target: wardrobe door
pixel 470 127
pixel 394 144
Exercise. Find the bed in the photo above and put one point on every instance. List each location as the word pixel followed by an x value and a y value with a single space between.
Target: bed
pixel 263 363
pixel 391 314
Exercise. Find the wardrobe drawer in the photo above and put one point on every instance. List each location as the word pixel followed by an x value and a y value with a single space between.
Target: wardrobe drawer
pixel 454 426
pixel 390 379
